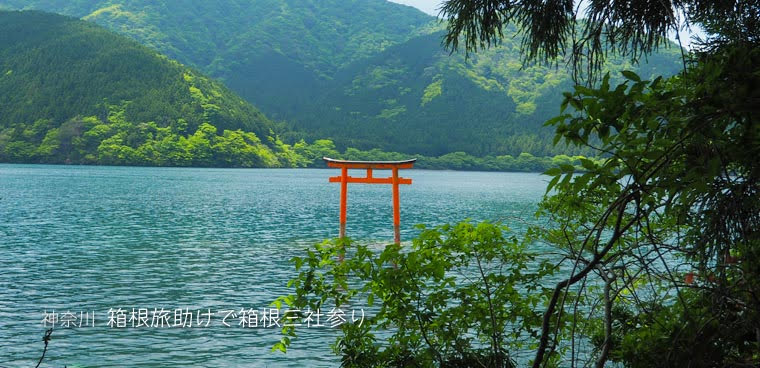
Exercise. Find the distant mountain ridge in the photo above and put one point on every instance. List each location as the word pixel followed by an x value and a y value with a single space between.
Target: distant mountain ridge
pixel 365 73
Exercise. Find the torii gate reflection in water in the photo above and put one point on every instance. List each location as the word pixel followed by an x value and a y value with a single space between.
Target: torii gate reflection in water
pixel 395 180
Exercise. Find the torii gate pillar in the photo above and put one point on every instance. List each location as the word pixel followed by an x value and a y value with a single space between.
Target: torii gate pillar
pixel 394 180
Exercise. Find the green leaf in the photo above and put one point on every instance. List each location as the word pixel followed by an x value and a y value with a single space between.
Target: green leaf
pixel 631 75
pixel 552 183
pixel 587 164
pixel 567 168
pixel 554 171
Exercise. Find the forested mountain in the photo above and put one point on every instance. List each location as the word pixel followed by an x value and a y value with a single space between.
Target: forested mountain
pixel 71 91
pixel 275 53
pixel 365 73
pixel 416 97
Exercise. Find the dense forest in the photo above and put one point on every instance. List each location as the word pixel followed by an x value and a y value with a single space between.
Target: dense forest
pixel 365 74
pixel 73 92
pixel 70 91
pixel 417 97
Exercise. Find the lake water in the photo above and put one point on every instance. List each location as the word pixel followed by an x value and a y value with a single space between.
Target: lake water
pixel 85 239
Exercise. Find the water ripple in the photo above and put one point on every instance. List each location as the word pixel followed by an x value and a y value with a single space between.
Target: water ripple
pixel 85 239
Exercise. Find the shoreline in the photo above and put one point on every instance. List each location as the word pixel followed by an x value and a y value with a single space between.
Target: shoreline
pixel 253 168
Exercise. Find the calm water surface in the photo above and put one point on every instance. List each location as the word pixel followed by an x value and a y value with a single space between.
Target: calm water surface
pixel 86 239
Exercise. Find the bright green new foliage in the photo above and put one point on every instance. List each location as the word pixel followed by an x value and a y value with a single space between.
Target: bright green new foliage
pixel 459 296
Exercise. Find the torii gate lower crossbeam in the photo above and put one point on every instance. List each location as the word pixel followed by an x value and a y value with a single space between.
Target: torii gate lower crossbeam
pixel 394 180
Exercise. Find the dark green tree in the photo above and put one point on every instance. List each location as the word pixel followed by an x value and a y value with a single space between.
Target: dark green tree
pixel 678 195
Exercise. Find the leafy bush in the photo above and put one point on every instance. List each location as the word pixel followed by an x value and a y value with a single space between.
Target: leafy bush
pixel 460 296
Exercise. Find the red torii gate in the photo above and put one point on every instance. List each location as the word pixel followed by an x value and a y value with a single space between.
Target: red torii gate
pixel 395 180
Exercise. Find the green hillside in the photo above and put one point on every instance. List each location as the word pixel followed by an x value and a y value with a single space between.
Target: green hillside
pixel 364 73
pixel 275 53
pixel 416 97
pixel 71 91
